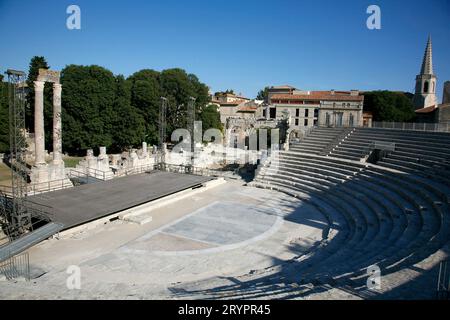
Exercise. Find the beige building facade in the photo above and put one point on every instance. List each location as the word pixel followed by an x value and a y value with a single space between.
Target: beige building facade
pixel 318 108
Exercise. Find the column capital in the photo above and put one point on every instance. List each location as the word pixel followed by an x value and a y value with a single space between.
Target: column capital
pixel 39 85
pixel 57 86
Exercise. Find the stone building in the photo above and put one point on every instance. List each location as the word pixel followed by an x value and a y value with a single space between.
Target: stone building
pixel 425 90
pixel 317 108
pixel 427 108
pixel 446 93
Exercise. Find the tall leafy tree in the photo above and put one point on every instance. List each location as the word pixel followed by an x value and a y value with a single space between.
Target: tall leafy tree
pixel 87 107
pixel 263 94
pixel 178 86
pixel 129 124
pixel 210 118
pixel 145 95
pixel 389 106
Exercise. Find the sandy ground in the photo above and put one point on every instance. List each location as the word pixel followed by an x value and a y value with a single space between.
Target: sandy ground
pixel 222 233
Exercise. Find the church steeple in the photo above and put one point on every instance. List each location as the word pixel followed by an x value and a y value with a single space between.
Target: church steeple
pixel 425 93
pixel 427 63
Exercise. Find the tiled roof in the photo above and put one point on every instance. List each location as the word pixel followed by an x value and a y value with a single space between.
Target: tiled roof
pixel 282 87
pixel 319 95
pixel 247 109
pixel 427 109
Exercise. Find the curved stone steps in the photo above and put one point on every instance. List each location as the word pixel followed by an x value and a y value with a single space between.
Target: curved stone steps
pixel 402 163
pixel 345 228
pixel 403 140
pixel 357 227
pixel 429 231
pixel 368 197
pixel 411 222
pixel 348 169
pixel 400 238
pixel 344 253
pixel 422 151
pixel 337 172
pixel 317 172
pixel 371 251
pixel 440 231
pixel 370 219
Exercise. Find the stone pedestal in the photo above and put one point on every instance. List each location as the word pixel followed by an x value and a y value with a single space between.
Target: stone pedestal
pixel 144 150
pixel 97 167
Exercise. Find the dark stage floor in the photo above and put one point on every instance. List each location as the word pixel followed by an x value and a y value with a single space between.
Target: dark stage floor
pixel 75 206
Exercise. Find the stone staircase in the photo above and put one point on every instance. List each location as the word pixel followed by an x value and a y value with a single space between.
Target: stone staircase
pixel 396 219
pixel 320 140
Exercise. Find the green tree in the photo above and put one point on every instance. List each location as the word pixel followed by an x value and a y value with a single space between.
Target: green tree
pixel 210 118
pixel 129 123
pixel 389 106
pixel 145 95
pixel 87 107
pixel 4 116
pixel 263 94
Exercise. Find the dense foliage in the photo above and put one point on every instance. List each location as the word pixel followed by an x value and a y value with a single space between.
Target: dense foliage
pixel 102 109
pixel 389 106
pixel 263 94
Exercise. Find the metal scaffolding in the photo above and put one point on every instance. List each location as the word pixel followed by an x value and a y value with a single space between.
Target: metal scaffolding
pixel 19 216
pixel 162 127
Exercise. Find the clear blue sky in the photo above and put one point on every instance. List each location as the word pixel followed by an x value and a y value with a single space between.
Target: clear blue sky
pixel 238 44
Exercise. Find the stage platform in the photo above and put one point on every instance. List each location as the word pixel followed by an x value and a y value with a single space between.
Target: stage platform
pixel 75 206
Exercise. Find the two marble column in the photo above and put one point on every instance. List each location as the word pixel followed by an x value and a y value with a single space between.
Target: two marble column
pixel 39 131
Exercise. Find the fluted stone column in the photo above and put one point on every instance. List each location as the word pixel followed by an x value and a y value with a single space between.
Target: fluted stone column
pixel 39 133
pixel 57 138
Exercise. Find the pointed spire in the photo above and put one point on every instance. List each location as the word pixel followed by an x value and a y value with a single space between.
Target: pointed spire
pixel 427 63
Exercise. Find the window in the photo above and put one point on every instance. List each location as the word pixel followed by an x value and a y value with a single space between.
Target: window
pixel 296 122
pixel 327 119
pixel 348 105
pixel 339 117
pixel 306 122
pixel 273 113
pixel 306 112
pixel 297 112
pixel 343 104
pixel 350 120
pixel 316 113
pixel 264 113
pixel 425 87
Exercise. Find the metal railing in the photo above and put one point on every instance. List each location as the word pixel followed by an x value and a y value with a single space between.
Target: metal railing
pixel 89 172
pixel 188 169
pixel 134 170
pixel 9 231
pixel 16 267
pixel 37 188
pixel 443 285
pixel 413 126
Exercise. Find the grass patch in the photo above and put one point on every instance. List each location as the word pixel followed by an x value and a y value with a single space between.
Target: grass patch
pixel 71 162
pixel 5 172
